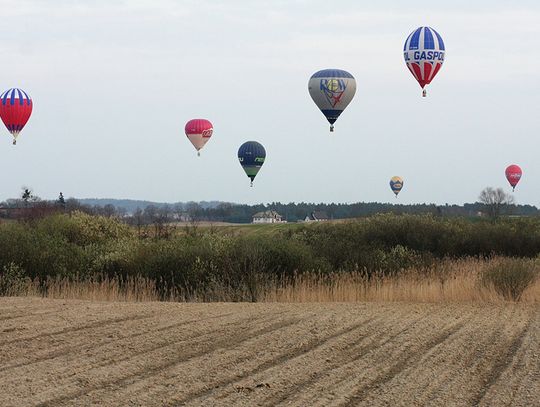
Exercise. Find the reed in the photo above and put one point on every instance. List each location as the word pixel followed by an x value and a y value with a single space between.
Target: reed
pixel 462 281
pixel 98 289
pixel 448 281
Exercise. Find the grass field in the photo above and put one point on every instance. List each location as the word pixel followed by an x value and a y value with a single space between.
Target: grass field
pixel 80 353
pixel 245 229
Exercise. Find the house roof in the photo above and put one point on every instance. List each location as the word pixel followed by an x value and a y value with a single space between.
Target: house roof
pixel 318 215
pixel 267 214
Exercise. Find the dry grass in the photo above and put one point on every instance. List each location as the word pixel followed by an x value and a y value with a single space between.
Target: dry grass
pixel 132 290
pixel 449 281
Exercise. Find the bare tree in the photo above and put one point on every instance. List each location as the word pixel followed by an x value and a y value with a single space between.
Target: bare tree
pixel 121 212
pixel 73 205
pixel 194 213
pixel 109 211
pixel 138 220
pixel 159 217
pixel 495 201
pixel 178 212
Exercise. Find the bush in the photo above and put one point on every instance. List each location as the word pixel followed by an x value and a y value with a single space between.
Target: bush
pixel 510 277
pixel 356 242
pixel 39 253
pixel 81 228
pixel 81 246
pixel 12 279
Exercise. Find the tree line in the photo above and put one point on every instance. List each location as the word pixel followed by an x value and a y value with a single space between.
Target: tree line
pixel 491 203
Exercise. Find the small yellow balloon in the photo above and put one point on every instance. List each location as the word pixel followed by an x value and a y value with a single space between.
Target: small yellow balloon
pixel 396 184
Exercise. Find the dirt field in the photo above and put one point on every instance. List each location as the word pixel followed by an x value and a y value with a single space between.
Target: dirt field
pixel 58 353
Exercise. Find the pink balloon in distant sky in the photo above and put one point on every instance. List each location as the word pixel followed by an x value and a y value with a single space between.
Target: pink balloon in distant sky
pixel 513 175
pixel 199 131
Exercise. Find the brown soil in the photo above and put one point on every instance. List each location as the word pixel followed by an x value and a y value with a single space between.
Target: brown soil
pixel 79 353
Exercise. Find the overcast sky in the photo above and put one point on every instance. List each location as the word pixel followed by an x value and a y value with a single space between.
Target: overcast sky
pixel 113 83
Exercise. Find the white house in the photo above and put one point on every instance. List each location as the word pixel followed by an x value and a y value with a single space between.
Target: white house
pixel 267 217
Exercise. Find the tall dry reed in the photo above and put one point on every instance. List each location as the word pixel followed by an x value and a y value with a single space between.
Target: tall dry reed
pixel 446 281
pixel 104 289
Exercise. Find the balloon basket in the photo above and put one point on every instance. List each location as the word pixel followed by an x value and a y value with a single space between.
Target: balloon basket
pixel 198 153
pixel 251 184
pixel 424 93
pixel 331 128
pixel 14 142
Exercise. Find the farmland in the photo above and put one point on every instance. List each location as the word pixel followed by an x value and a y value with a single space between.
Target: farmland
pixel 68 352
pixel 387 310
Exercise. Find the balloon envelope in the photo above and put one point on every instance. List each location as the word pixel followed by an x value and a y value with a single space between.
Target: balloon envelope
pixel 251 155
pixel 332 90
pixel 199 131
pixel 513 174
pixel 396 184
pixel 424 53
pixel 15 110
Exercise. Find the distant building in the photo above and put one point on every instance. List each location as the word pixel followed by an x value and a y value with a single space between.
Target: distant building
pixel 267 217
pixel 317 216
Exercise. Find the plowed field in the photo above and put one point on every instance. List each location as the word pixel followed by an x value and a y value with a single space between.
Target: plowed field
pixel 76 353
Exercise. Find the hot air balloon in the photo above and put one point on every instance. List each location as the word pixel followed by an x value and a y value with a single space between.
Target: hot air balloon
pixel 332 90
pixel 251 156
pixel 199 131
pixel 513 175
pixel 396 183
pixel 424 55
pixel 15 110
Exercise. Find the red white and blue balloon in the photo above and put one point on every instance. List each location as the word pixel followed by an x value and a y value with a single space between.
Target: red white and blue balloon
pixel 332 90
pixel 424 55
pixel 15 110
